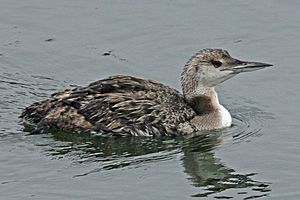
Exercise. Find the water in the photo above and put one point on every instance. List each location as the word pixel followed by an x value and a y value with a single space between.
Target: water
pixel 46 46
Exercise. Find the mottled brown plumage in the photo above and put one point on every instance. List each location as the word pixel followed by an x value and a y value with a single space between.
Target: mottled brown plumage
pixel 118 105
pixel 125 105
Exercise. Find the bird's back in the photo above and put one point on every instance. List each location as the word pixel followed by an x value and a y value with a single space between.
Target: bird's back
pixel 118 105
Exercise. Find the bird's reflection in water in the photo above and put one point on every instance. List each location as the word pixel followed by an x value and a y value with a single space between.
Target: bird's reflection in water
pixel 211 175
pixel 197 154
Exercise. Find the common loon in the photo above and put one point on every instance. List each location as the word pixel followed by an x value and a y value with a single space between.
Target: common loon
pixel 125 105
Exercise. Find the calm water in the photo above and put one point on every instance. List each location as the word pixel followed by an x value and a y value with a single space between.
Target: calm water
pixel 46 46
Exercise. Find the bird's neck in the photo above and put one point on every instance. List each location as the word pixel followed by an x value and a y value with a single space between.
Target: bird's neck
pixel 204 100
pixel 210 113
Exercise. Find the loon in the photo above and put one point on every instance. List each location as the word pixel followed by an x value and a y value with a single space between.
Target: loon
pixel 128 106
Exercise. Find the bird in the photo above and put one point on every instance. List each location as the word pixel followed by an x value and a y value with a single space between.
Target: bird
pixel 122 105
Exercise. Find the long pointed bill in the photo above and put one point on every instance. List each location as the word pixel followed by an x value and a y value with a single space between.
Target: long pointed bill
pixel 245 66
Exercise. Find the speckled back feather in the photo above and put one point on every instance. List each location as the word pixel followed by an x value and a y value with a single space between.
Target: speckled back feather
pixel 118 105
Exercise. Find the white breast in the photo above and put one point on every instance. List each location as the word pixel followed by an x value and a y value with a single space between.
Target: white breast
pixel 226 119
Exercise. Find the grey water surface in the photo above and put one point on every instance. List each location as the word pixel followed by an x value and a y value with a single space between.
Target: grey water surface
pixel 46 46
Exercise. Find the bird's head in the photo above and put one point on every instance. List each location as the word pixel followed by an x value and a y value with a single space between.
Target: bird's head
pixel 210 67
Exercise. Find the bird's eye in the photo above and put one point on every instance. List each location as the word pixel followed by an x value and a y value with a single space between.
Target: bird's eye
pixel 216 63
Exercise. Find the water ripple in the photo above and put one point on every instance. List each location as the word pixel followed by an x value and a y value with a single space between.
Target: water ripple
pixel 196 152
pixel 248 122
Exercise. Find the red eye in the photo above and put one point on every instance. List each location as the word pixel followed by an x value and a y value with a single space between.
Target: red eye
pixel 216 63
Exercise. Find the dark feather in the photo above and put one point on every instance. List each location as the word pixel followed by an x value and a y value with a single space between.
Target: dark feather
pixel 118 105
